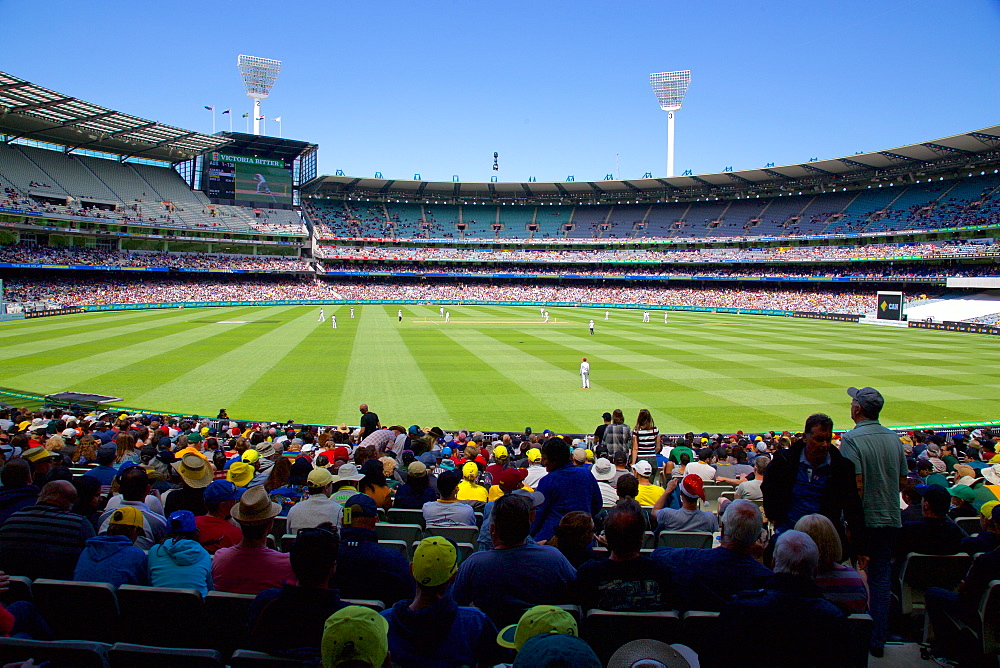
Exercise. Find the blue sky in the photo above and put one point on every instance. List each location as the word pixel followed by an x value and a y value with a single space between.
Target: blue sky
pixel 556 88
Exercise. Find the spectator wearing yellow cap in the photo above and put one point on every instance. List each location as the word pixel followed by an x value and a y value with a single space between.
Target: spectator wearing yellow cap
pixel 501 460
pixel 538 620
pixel 432 629
pixel 318 508
pixel 470 489
pixel 536 471
pixel 240 474
pixel 113 557
pixel 988 539
pixel 355 636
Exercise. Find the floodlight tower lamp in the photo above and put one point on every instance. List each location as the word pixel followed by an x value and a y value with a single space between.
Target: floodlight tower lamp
pixel 670 89
pixel 259 75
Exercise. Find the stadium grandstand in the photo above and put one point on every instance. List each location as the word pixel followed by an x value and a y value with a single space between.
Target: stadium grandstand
pixel 250 537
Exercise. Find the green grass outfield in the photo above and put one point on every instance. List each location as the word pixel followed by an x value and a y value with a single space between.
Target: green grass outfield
pixel 501 368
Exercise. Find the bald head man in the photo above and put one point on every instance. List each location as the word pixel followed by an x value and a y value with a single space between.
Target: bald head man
pixel 59 493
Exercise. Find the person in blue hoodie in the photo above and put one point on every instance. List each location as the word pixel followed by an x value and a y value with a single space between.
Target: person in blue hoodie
pixel 180 560
pixel 113 557
pixel 432 631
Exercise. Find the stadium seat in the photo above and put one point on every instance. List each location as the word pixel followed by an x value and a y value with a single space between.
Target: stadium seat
pixel 245 658
pixel 405 516
pixel 989 612
pixel 649 539
pixel 702 539
pixel 227 617
pixel 464 550
pixel 404 532
pixel 18 589
pixel 55 653
pixel 377 606
pixel 399 545
pixel 860 630
pixel 78 610
pixel 280 527
pixel 921 571
pixel 970 524
pixel 286 542
pixel 147 611
pixel 712 495
pixel 605 631
pixel 126 655
pixel 698 629
pixel 455 534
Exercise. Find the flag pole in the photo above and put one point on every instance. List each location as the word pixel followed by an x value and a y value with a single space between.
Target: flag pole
pixel 213 120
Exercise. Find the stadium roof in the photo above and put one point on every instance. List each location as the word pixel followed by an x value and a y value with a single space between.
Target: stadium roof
pixel 964 151
pixel 31 112
pixel 260 146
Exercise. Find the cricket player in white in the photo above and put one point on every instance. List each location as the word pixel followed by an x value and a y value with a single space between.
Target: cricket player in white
pixel 546 316
pixel 664 317
pixel 591 327
pixel 585 373
pixel 322 316
pixel 607 315
pixel 645 316
pixel 352 313
pixel 333 321
pixel 399 314
pixel 447 316
pixel 442 311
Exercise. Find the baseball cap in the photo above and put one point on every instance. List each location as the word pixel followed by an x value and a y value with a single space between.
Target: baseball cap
pixel 868 398
pixel 534 455
pixel 557 649
pixel 580 455
pixel 963 492
pixel 541 619
pixel 511 479
pixel 127 516
pixel 341 452
pixel 68 433
pixel 500 451
pixel 319 477
pixel 606 416
pixel 619 457
pixel 643 468
pixel 416 470
pixel 936 496
pixel 470 469
pixel 181 521
pixel 692 486
pixel 360 505
pixel 434 561
pixel 250 456
pixel 761 446
pixel 603 469
pixel 536 498
pixel 355 633
pixel 222 490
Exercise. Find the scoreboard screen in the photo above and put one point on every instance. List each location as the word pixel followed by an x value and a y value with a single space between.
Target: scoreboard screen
pixel 247 179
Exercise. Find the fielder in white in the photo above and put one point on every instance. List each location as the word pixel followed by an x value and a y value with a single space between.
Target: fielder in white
pixel 546 317
pixel 352 313
pixel 442 311
pixel 399 314
pixel 333 321
pixel 645 316
pixel 664 317
pixel 607 315
pixel 447 316
pixel 585 373
pixel 591 327
pixel 322 316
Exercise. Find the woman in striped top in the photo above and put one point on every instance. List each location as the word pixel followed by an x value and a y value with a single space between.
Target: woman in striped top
pixel 645 439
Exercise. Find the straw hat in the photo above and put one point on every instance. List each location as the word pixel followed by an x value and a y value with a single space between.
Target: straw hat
pixel 195 471
pixel 255 506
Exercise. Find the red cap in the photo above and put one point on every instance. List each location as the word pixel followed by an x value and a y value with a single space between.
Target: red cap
pixel 692 486
pixel 584 359
pixel 341 452
pixel 511 479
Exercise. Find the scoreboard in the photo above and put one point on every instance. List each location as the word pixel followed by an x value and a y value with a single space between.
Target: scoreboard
pixel 221 178
pixel 247 180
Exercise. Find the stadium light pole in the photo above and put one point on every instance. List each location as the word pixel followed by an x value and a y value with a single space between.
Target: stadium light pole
pixel 670 89
pixel 259 75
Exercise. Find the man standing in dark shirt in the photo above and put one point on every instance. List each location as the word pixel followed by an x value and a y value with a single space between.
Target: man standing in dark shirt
pixel 599 432
pixel 369 421
pixel 627 581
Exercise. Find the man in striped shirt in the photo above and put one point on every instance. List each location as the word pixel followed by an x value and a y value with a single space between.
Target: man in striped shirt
pixel 45 540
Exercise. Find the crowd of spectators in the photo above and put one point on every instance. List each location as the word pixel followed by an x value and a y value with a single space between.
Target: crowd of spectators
pixel 193 503
pixel 35 254
pixel 130 290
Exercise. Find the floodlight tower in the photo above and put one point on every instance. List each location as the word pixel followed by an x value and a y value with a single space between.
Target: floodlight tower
pixel 670 89
pixel 259 75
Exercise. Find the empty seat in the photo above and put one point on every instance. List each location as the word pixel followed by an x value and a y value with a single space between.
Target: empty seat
pixel 398 545
pixel 921 571
pixel 701 539
pixel 464 550
pixel 712 495
pixel 404 532
pixel 18 589
pixel 605 631
pixel 246 658
pixel 227 617
pixel 456 534
pixel 971 525
pixel 126 655
pixel 286 542
pixel 78 610
pixel 280 527
pixel 698 629
pixel 55 653
pixel 405 516
pixel 147 611
pixel 859 629
pixel 377 606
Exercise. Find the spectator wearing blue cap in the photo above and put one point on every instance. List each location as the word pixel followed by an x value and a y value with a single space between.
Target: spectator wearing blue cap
pixel 366 569
pixel 180 561
pixel 217 529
